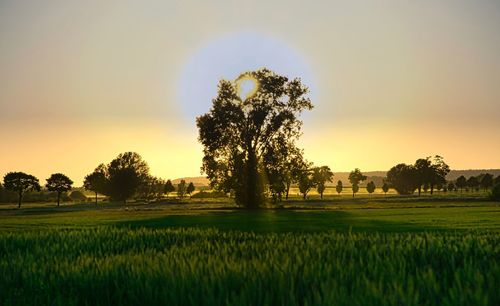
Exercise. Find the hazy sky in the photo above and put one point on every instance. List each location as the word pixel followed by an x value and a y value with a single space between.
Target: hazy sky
pixel 391 81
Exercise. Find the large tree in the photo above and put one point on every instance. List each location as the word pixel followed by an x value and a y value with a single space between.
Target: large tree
pixel 402 178
pixel 59 183
pixel 126 173
pixel 238 131
pixel 20 183
pixel 97 181
pixel 439 172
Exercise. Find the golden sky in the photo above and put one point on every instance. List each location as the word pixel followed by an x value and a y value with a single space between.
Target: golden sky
pixel 391 81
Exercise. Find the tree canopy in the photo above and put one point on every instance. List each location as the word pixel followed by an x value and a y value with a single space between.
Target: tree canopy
pixel 20 183
pixel 238 132
pixel 59 183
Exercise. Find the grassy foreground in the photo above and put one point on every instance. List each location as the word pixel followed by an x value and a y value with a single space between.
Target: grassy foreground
pixel 448 254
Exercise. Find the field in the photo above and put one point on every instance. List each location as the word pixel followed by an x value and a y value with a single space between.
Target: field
pixel 367 251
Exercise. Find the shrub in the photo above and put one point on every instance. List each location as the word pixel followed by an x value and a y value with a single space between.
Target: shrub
pixel 77 196
pixel 209 195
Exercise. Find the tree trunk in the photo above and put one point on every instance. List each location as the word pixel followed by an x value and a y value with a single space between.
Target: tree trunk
pixel 321 195
pixel 58 198
pixel 287 190
pixel 20 199
pixel 432 189
pixel 419 190
pixel 96 198
pixel 253 190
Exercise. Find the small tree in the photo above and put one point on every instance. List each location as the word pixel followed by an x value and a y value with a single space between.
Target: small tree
pixel 487 181
pixel 305 184
pixel 461 182
pixel 370 187
pixel 355 189
pixel 320 176
pixel 385 188
pixel 96 181
pixel 190 188
pixel 355 177
pixel 181 189
pixel 339 187
pixel 473 183
pixel 169 187
pixel 20 182
pixel 59 183
pixel 451 186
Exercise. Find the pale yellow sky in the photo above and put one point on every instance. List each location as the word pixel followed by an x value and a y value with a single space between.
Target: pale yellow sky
pixel 81 82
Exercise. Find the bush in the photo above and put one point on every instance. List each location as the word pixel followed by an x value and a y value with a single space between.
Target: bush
pixel 77 196
pixel 495 193
pixel 209 195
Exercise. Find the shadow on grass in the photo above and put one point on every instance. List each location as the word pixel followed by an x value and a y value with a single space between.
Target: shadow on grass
pixel 279 221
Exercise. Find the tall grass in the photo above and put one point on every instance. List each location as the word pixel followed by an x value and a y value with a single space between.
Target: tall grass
pixel 120 266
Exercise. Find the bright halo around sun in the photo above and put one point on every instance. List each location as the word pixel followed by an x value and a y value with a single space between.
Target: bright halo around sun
pixel 230 56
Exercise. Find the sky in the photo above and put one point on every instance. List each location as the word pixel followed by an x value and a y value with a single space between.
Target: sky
pixel 391 81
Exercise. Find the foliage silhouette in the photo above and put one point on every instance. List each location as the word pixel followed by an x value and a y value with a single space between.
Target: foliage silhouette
pixel 20 182
pixel 356 177
pixel 59 183
pixel 97 181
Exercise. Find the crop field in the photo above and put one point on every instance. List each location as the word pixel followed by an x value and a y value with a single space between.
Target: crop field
pixel 363 252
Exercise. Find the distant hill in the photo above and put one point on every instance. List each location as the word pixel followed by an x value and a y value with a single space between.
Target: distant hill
pixel 376 176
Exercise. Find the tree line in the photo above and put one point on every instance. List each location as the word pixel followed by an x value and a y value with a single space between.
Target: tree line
pixel 124 177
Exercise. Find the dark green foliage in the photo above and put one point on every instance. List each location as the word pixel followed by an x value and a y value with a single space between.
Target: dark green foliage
pixel 97 181
pixel 20 182
pixel 356 177
pixel 306 183
pixel 169 187
pixel 126 174
pixel 59 183
pixel 209 195
pixel 370 187
pixel 190 188
pixel 181 189
pixel 237 133
pixel 403 178
pixel 486 181
pixel 77 196
pixel 461 182
pixel 109 266
pixel 320 176
pixel 451 186
pixel 385 188
pixel 472 182
pixel 495 192
pixel 339 187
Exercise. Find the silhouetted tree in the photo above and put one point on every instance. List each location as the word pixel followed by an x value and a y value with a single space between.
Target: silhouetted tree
pixel 305 183
pixel 20 183
pixel 339 187
pixel 59 183
pixel 237 132
pixel 487 181
pixel 370 187
pixel 461 182
pixel 473 183
pixel 497 180
pixel 385 188
pixel 320 176
pixel 439 172
pixel 169 187
pixel 403 178
pixel 355 177
pixel 423 172
pixel 190 188
pixel 97 181
pixel 181 189
pixel 77 196
pixel 451 186
pixel 125 174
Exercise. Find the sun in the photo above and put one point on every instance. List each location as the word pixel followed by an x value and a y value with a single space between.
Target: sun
pixel 227 57
pixel 246 86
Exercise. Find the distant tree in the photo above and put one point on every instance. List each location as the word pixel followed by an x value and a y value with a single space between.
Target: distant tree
pixel 451 186
pixel 439 172
pixel 339 187
pixel 355 177
pixel 370 187
pixel 497 180
pixel 402 177
pixel 190 188
pixel 305 184
pixel 355 189
pixel 422 173
pixel 97 181
pixel 169 187
pixel 59 183
pixel 181 189
pixel 320 176
pixel 487 181
pixel 385 188
pixel 461 182
pixel 20 182
pixel 77 196
pixel 473 183
pixel 126 173
pixel 495 192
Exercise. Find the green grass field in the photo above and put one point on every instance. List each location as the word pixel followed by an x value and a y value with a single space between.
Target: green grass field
pixel 367 251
